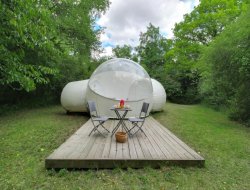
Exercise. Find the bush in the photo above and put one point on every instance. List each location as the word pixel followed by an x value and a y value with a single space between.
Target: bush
pixel 227 74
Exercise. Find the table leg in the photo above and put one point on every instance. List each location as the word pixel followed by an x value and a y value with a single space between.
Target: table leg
pixel 121 122
pixel 118 124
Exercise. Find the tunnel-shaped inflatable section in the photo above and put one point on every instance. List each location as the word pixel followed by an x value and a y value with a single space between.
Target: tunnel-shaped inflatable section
pixel 73 96
pixel 159 96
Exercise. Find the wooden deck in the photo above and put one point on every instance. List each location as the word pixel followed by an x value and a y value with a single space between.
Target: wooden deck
pixel 160 147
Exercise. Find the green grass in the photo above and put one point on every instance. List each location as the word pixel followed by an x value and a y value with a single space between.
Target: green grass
pixel 27 137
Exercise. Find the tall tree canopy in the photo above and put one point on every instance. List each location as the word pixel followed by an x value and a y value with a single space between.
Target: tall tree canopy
pixel 40 39
pixel 151 51
pixel 197 30
pixel 29 44
pixel 152 47
pixel 125 51
pixel 226 69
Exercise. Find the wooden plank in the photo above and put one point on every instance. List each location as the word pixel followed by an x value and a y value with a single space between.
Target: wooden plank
pixel 125 151
pixel 112 152
pixel 118 150
pixel 171 146
pixel 106 149
pixel 103 142
pixel 154 143
pixel 185 146
pixel 148 144
pixel 131 145
pixel 143 145
pixel 80 148
pixel 125 147
pixel 96 146
pixel 169 153
pixel 158 148
pixel 87 148
pixel 83 142
pixel 179 145
pixel 139 152
pixel 68 147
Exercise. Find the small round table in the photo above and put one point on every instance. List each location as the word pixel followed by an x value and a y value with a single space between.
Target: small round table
pixel 121 119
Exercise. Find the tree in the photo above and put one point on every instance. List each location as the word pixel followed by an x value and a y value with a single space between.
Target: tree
pixel 40 38
pixel 151 51
pixel 28 41
pixel 226 71
pixel 75 22
pixel 197 30
pixel 208 20
pixel 44 45
pixel 125 51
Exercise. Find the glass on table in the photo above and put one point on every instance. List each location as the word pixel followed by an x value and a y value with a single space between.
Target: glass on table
pixel 127 106
pixel 117 106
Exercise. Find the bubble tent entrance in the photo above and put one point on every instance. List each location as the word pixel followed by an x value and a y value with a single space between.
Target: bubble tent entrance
pixel 113 80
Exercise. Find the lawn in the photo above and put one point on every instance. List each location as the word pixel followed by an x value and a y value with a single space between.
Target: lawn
pixel 27 137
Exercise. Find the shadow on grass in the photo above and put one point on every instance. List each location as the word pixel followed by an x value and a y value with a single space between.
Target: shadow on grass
pixel 67 113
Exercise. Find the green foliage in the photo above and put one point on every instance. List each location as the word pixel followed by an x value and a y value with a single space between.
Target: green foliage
pixel 46 44
pixel 208 20
pixel 75 20
pixel 125 51
pixel 197 30
pixel 152 48
pixel 28 41
pixel 226 72
pixel 151 51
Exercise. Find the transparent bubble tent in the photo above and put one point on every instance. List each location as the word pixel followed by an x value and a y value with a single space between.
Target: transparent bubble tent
pixel 112 81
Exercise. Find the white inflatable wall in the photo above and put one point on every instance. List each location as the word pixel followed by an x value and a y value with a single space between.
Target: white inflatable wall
pixel 73 97
pixel 114 80
pixel 159 96
pixel 105 104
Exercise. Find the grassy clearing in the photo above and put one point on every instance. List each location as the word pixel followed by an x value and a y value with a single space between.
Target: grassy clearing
pixel 27 137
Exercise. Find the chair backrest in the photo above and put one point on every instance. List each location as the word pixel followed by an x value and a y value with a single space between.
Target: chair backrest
pixel 144 109
pixel 92 108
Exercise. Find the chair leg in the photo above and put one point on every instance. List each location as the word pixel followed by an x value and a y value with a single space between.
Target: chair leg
pixel 139 129
pixel 134 125
pixel 104 127
pixel 100 133
pixel 96 129
pixel 92 131
pixel 142 131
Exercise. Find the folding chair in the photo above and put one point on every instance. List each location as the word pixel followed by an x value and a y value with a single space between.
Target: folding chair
pixel 95 118
pixel 139 121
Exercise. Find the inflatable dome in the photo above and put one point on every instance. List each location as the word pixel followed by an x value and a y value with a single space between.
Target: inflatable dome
pixel 120 79
pixel 73 96
pixel 112 81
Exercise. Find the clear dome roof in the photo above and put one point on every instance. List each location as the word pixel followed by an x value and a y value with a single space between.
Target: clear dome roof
pixel 121 78
pixel 121 64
